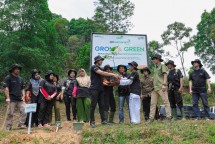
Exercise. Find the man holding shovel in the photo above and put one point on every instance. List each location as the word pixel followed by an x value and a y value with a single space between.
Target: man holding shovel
pixel 15 94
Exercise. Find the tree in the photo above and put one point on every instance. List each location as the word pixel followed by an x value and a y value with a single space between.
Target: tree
pixel 205 39
pixel 178 37
pixel 114 15
pixel 84 56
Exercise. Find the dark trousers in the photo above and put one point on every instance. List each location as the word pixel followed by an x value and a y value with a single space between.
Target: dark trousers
pixel 146 108
pixel 45 111
pixel 175 98
pixel 70 101
pixel 109 100
pixel 97 96
pixel 204 99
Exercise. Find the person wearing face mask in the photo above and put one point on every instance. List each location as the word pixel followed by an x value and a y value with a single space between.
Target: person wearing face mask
pixel 69 90
pixel 48 92
pixel 32 93
pixel 83 96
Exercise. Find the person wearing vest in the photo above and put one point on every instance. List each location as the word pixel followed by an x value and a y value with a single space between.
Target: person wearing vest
pixel 109 100
pixel 69 91
pixel 46 99
pixel 175 87
pixel 135 91
pixel 160 88
pixel 32 94
pixel 97 90
pixel 123 92
pixel 15 96
pixel 83 97
pixel 57 100
pixel 197 84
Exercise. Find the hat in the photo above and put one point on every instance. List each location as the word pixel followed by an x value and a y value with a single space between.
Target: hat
pixel 145 69
pixel 49 72
pixel 171 62
pixel 15 66
pixel 157 56
pixel 107 67
pixel 121 66
pixel 34 71
pixel 134 64
pixel 197 61
pixel 97 58
pixel 72 70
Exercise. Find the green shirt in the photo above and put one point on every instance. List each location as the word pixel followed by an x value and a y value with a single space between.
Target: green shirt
pixel 159 70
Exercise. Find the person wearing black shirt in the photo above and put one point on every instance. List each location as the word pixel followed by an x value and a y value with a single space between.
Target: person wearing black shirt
pixel 69 91
pixel 123 92
pixel 135 92
pixel 175 87
pixel 197 83
pixel 15 96
pixel 97 90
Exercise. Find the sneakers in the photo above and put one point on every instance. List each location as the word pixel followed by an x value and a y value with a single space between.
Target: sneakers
pixel 46 125
pixel 92 125
pixel 40 126
pixel 149 121
pixel 105 123
pixel 207 119
pixel 196 119
pixel 8 128
pixel 21 127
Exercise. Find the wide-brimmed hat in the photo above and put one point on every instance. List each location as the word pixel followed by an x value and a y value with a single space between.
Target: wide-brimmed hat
pixel 171 62
pixel 107 67
pixel 121 66
pixel 49 72
pixel 34 71
pixel 157 56
pixel 15 66
pixel 145 69
pixel 72 70
pixel 97 58
pixel 134 64
pixel 197 61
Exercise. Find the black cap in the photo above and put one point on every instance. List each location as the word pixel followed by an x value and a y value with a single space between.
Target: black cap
pixel 171 62
pixel 15 66
pixel 134 64
pixel 157 56
pixel 49 72
pixel 121 66
pixel 34 71
pixel 72 70
pixel 197 61
pixel 97 58
pixel 145 69
pixel 107 67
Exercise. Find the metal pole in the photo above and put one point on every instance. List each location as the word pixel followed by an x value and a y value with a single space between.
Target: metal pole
pixel 29 123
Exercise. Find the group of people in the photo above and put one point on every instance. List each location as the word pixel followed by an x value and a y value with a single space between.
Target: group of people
pixel 82 93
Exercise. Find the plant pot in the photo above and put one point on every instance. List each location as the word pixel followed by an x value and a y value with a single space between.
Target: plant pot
pixel 78 126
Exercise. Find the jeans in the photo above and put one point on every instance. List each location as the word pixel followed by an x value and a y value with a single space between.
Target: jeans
pixel 121 106
pixel 196 109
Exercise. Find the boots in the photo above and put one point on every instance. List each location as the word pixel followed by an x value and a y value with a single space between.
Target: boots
pixel 174 112
pixel 111 117
pixel 182 114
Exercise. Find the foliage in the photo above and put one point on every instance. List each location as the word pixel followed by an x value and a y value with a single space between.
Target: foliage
pixel 205 39
pixel 84 56
pixel 114 15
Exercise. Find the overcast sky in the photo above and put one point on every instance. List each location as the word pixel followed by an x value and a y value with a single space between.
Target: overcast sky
pixel 151 17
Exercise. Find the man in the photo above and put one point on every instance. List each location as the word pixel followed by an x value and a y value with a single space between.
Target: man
pixel 32 93
pixel 197 85
pixel 160 88
pixel 146 90
pixel 135 92
pixel 97 90
pixel 175 87
pixel 109 100
pixel 15 95
pixel 123 92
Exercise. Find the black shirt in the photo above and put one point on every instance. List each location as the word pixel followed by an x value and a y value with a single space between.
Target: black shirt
pixel 135 87
pixel 198 78
pixel 69 85
pixel 174 77
pixel 124 90
pixel 15 85
pixel 96 79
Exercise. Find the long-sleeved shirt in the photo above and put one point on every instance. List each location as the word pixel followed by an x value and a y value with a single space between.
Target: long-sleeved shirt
pixel 146 86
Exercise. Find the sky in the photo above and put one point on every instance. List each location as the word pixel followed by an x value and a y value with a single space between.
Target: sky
pixel 151 17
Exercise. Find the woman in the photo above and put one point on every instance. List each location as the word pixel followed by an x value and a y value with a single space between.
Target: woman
pixel 83 96
pixel 46 99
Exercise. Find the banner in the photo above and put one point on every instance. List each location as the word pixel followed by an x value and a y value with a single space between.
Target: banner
pixel 119 49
